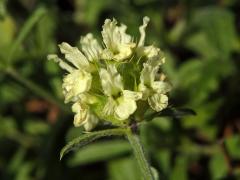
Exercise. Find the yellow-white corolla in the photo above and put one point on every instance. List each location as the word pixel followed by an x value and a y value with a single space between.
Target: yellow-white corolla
pixel 121 103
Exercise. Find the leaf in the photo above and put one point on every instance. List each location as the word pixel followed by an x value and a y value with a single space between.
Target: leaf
pixel 24 171
pixel 218 166
pixel 155 173
pixel 218 26
pixel 16 161
pixel 89 137
pixel 100 151
pixel 8 127
pixel 164 159
pixel 171 112
pixel 10 92
pixel 204 113
pixel 29 24
pixel 198 78
pixel 7 31
pixel 88 11
pixel 199 43
pixel 177 31
pixel 162 123
pixel 44 34
pixel 3 8
pixel 36 127
pixel 179 171
pixel 233 146
pixel 124 168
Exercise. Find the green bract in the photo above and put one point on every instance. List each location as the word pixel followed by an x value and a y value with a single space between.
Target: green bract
pixel 110 83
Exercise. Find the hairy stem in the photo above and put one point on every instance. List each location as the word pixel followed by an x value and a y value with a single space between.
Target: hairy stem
pixel 140 155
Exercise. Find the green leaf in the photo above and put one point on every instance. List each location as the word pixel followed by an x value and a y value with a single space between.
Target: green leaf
pixel 8 127
pixel 218 26
pixel 44 34
pixel 36 127
pixel 7 31
pixel 17 160
pixel 218 166
pixel 100 151
pixel 179 171
pixel 3 10
pixel 89 137
pixel 27 27
pixel 198 78
pixel 233 146
pixel 171 112
pixel 88 11
pixel 163 123
pixel 199 43
pixel 177 31
pixel 24 171
pixel 204 113
pixel 124 168
pixel 11 93
pixel 164 159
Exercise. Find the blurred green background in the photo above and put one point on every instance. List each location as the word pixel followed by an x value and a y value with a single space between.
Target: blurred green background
pixel 201 40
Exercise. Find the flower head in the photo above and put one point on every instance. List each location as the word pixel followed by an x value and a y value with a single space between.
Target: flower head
pixel 106 83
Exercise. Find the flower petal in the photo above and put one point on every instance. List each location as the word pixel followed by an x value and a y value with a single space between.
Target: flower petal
pixel 61 63
pixel 109 107
pixel 158 101
pixel 142 31
pixel 148 75
pixel 73 55
pixel 82 113
pixel 91 122
pixel 124 51
pixel 156 61
pixel 111 81
pixel 132 95
pixel 83 116
pixel 88 98
pixel 161 87
pixel 125 108
pixel 150 51
pixel 91 47
pixel 75 83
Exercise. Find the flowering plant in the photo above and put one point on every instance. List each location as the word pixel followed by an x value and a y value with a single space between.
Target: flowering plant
pixel 111 83
pixel 116 82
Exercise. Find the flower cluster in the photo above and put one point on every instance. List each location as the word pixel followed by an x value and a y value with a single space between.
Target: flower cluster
pixel 113 82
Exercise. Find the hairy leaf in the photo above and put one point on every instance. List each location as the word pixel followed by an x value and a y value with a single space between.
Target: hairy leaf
pixel 89 137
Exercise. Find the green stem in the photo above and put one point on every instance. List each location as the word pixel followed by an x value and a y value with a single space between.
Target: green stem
pixel 140 155
pixel 35 88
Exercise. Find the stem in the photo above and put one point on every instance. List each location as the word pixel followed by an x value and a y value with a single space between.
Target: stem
pixel 35 88
pixel 140 155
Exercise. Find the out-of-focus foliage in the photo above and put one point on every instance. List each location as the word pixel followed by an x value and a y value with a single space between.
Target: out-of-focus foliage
pixel 201 40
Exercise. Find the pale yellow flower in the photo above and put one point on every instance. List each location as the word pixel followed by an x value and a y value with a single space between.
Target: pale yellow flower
pixel 152 89
pixel 83 116
pixel 119 45
pixel 121 103
pixel 106 83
